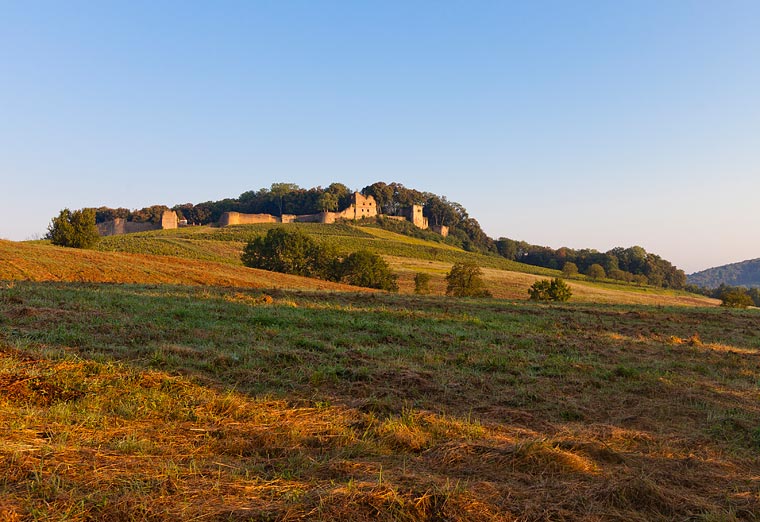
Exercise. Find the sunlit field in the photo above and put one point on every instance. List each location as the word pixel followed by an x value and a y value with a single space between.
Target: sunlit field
pixel 165 402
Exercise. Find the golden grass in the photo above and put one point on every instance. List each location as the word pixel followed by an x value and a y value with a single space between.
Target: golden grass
pixel 41 262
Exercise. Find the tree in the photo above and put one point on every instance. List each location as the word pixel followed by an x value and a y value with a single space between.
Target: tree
pixel 422 283
pixel 736 298
pixel 554 290
pixel 596 271
pixel 327 202
pixel 74 229
pixel 570 269
pixel 278 191
pixel 286 251
pixel 364 268
pixel 465 280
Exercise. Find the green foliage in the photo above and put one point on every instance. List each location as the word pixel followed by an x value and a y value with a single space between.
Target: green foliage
pixel 596 271
pixel 619 263
pixel 465 280
pixel 570 269
pixel 546 290
pixel 288 251
pixel 74 229
pixel 736 298
pixel 422 283
pixel 363 268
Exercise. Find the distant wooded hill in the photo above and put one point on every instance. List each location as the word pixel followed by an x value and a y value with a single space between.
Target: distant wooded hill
pixel 745 273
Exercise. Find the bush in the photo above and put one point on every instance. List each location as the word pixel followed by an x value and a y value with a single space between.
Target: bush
pixel 596 271
pixel 554 290
pixel 570 269
pixel 465 280
pixel 290 252
pixel 364 268
pixel 422 283
pixel 74 229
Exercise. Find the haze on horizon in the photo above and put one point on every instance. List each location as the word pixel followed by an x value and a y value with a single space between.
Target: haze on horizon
pixel 587 125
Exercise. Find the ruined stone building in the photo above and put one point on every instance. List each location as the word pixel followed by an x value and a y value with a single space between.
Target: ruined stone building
pixel 122 226
pixel 361 207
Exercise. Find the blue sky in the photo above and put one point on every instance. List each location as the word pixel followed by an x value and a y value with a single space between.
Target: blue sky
pixel 583 124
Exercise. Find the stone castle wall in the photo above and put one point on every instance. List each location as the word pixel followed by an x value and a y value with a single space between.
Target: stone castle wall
pixel 361 207
pixel 121 226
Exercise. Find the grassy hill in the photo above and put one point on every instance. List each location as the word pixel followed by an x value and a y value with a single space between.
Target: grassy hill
pixel 198 388
pixel 407 256
pixel 745 273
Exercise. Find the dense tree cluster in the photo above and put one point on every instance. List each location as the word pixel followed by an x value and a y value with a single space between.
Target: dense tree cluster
pixel 632 264
pixel 293 252
pixel 150 214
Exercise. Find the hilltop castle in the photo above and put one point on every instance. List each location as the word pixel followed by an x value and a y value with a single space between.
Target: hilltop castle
pixel 361 207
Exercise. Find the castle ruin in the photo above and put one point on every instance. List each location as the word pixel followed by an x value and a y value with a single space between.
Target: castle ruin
pixel 121 226
pixel 361 207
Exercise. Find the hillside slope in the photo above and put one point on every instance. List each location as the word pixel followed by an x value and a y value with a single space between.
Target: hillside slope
pixel 744 273
pixel 41 262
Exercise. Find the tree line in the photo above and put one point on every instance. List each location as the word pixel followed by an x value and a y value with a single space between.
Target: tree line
pixel 633 264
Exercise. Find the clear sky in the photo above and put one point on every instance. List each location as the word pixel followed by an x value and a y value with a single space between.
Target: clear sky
pixel 587 124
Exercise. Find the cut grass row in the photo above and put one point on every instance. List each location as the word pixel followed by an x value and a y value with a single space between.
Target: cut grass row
pixel 125 402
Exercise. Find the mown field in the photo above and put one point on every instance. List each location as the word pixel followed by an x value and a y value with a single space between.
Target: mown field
pixel 161 402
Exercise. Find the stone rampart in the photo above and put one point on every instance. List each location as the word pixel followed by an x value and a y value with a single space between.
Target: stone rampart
pixel 121 226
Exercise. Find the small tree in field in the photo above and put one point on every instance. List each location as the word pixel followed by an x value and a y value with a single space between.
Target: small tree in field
pixel 74 229
pixel 422 283
pixel 465 280
pixel 596 271
pixel 554 290
pixel 364 268
pixel 570 269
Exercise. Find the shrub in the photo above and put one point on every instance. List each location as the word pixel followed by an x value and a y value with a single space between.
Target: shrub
pixel 422 283
pixel 570 269
pixel 289 252
pixel 465 280
pixel 74 229
pixel 554 290
pixel 364 268
pixel 596 271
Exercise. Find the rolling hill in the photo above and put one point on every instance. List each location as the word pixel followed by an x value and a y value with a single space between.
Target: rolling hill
pixel 211 256
pixel 744 273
